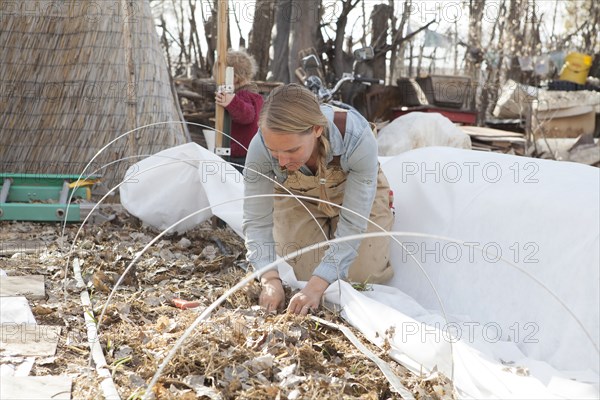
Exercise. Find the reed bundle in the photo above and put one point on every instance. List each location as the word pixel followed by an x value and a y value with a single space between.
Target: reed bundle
pixel 73 76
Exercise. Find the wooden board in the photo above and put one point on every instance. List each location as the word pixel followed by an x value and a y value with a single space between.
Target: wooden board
pixel 481 131
pixel 36 388
pixel 8 248
pixel 497 140
pixel 30 286
pixel 28 339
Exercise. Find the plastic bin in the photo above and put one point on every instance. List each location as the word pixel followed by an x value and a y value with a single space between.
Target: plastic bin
pixel 576 68
pixel 446 90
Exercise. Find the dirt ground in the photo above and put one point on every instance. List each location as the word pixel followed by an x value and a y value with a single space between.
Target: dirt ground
pixel 238 352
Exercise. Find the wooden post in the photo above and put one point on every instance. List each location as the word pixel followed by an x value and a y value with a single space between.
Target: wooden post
pixel 222 17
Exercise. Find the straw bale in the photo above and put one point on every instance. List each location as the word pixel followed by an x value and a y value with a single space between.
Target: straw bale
pixel 75 75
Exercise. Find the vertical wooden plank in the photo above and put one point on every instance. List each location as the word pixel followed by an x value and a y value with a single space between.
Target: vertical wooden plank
pixel 128 20
pixel 222 17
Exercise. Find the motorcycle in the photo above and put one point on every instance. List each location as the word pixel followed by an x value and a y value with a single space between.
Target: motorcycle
pixel 308 74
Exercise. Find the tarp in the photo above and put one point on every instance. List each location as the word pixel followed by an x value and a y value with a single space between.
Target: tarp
pixel 505 301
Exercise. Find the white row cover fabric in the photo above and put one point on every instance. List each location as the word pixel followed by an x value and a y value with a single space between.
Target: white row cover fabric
pixel 517 303
pixel 518 310
pixel 174 183
pixel 419 129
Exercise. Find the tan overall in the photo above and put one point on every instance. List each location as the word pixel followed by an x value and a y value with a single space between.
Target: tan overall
pixel 294 227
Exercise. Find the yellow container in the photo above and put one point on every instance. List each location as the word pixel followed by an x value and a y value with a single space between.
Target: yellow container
pixel 576 68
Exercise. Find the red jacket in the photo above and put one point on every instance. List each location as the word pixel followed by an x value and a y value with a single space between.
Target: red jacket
pixel 244 110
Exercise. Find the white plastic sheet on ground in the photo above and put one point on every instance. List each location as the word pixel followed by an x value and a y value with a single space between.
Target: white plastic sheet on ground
pixel 507 332
pixel 418 129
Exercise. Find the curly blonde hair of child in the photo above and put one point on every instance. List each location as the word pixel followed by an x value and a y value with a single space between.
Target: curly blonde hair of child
pixel 244 65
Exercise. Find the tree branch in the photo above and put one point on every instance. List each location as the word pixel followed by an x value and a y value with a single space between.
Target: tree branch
pixel 398 40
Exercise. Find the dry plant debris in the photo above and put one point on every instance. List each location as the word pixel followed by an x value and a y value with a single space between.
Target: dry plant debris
pixel 238 352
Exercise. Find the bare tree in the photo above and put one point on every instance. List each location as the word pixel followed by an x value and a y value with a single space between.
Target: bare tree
pixel 397 57
pixel 260 35
pixel 474 50
pixel 590 35
pixel 280 69
pixel 380 17
pixel 299 24
pixel 165 43
pixel 342 21
pixel 490 89
pixel 514 37
pixel 583 19
pixel 297 27
pixel 198 60
pixel 304 31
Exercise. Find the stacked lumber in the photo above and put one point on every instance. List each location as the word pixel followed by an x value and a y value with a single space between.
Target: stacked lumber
pixel 488 139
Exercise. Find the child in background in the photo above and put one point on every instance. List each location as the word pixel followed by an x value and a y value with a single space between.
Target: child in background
pixel 243 105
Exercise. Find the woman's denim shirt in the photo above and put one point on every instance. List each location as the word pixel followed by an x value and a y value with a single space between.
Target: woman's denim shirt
pixel 358 159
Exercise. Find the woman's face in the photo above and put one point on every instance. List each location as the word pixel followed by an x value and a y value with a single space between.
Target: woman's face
pixel 292 150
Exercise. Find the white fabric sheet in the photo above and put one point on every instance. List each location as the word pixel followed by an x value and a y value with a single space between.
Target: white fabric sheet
pixel 541 216
pixel 419 129
pixel 506 332
pixel 174 183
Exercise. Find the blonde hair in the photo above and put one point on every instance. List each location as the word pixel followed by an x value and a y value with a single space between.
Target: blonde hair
pixel 294 109
pixel 244 65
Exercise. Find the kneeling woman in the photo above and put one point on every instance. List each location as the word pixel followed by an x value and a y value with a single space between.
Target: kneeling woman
pixel 317 152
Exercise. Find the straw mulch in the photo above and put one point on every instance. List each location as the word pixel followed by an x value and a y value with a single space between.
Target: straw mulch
pixel 74 76
pixel 238 352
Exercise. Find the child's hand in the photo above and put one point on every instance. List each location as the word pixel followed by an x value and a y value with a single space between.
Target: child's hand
pixel 223 99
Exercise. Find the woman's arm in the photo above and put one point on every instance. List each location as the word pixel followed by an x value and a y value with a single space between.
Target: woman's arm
pixel 257 223
pixel 359 194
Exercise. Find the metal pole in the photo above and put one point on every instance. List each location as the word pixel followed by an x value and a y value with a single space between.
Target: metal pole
pixel 64 193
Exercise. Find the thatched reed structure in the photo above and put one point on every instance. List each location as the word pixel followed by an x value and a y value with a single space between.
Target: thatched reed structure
pixel 73 76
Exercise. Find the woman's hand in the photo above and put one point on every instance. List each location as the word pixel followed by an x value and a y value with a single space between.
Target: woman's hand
pixel 272 294
pixel 223 99
pixel 308 298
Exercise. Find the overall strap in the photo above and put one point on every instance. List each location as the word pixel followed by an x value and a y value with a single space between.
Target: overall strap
pixel 339 120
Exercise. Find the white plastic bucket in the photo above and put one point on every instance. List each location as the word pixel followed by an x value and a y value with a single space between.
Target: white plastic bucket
pixel 209 136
